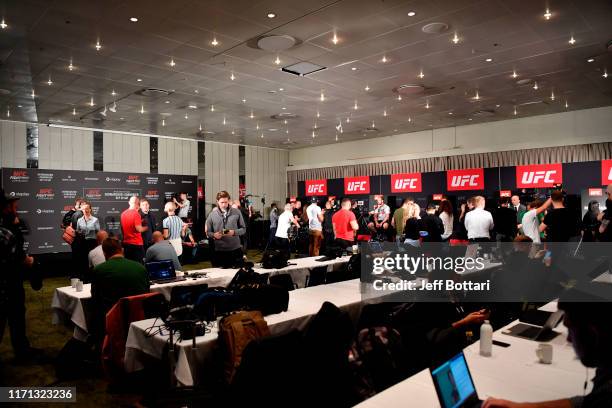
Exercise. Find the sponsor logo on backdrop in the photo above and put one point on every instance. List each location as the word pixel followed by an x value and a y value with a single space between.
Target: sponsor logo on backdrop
pixel 168 195
pixel 606 172
pixel 113 179
pixel 438 197
pixel 19 194
pixel 468 179
pixel 67 194
pixel 68 178
pixel 45 177
pixel 118 195
pixel 23 211
pixel 539 175
pixel 152 195
pixel 407 182
pixel 91 178
pixel 44 211
pixel 45 228
pixel 316 187
pixel 186 181
pixel 93 194
pixel 357 185
pixel 113 211
pixel 595 192
pixel 505 193
pixel 132 180
pixel 152 180
pixel 169 182
pixel 45 194
pixel 113 225
pixel 19 176
pixel 46 245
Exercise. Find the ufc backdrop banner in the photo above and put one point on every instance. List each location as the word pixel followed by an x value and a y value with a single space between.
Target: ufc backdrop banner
pixel 406 183
pixel 539 175
pixel 46 195
pixel 469 179
pixel 316 187
pixel 357 185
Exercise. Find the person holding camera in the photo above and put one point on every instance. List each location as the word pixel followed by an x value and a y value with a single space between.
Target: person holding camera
pixel 225 225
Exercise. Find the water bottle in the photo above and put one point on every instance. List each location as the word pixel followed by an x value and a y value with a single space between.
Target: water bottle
pixel 486 339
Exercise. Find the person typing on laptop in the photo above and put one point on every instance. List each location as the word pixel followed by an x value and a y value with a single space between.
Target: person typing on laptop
pixel 162 250
pixel 589 329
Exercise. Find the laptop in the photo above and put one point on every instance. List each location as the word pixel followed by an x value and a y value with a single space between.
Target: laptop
pixel 162 272
pixel 538 333
pixel 454 384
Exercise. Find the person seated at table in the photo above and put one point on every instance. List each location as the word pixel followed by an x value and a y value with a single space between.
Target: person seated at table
pixel 588 319
pixel 116 278
pixel 96 256
pixel 162 250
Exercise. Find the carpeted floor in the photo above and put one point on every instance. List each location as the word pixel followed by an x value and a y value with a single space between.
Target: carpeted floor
pixel 91 392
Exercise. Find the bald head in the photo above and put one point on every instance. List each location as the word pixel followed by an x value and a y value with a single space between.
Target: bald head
pixel 134 202
pixel 101 236
pixel 157 237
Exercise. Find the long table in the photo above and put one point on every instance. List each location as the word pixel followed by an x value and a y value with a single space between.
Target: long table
pixel 192 363
pixel 71 307
pixel 512 373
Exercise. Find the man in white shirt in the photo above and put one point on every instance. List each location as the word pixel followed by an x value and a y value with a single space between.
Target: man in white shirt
pixel 183 206
pixel 284 223
pixel 479 222
pixel 315 232
pixel 530 222
pixel 96 256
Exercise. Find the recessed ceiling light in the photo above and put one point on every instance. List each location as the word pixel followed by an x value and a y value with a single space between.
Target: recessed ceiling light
pixel 49 82
pixel 515 111
pixel 367 88
pixel 166 101
pixel 243 100
pixel 277 61
pixel 455 39
pixel 322 97
pixel 133 19
pixel 572 41
pixel 98 45
pixel 547 14
pixel 590 59
pixel 3 24
pixel 214 42
pixel 192 106
pixel 450 113
pixel 138 79
pixel 335 39
pixel 497 105
pixel 196 91
pixel 163 122
pixel 353 68
pixel 566 105
pixel 514 74
pixel 535 85
pixel 421 74
pixel 19 106
pixel 281 89
pixel 284 108
pixel 271 15
pixel 73 111
pixel 172 63
pixel 469 118
pixel 411 14
pixel 113 93
pixel 384 59
pixel 232 76
pixel 70 66
pixel 212 108
pixel 605 74
pixel 489 60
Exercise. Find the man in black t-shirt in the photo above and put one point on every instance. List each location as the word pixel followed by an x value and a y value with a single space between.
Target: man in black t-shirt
pixel 559 223
pixel 432 224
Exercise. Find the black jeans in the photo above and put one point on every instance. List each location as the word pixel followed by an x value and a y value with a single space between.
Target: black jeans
pixel 134 252
pixel 12 311
pixel 228 259
pixel 343 243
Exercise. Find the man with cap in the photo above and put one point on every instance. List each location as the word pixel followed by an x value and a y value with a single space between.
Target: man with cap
pixel 12 294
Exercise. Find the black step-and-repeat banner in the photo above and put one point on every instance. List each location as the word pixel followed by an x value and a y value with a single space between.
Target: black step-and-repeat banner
pixel 46 195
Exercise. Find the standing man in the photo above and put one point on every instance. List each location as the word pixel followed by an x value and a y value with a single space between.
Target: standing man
pixel 505 221
pixel 182 206
pixel 12 294
pixel 345 224
pixel 132 229
pixel 70 220
pixel 148 220
pixel 530 223
pixel 479 222
pixel 519 208
pixel 225 225
pixel 559 223
pixel 273 222
pixel 315 232
pixel 432 224
pixel 284 223
pixel 380 215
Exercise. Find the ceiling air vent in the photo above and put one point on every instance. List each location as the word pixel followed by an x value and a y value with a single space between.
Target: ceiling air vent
pixel 273 43
pixel 284 115
pixel 484 113
pixel 303 68
pixel 153 92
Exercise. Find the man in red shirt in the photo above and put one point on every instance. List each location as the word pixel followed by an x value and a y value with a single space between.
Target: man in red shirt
pixel 345 224
pixel 131 228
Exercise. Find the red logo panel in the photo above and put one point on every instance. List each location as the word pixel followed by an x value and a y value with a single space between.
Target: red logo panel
pixel 505 193
pixel 468 179
pixel 406 182
pixel 316 187
pixel 606 172
pixel 539 175
pixel 357 185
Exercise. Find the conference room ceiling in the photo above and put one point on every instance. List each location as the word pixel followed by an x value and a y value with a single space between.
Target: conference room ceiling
pixel 51 71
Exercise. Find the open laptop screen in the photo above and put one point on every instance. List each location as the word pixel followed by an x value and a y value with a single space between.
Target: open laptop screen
pixel 160 270
pixel 453 382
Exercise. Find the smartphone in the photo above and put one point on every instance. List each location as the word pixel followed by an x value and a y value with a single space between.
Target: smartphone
pixel 501 343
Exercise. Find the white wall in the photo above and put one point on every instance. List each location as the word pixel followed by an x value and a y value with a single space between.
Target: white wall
pixel 221 171
pixel 177 157
pixel 125 153
pixel 265 173
pixel 65 149
pixel 13 144
pixel 567 128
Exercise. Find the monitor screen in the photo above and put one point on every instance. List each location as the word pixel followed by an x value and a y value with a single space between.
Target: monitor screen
pixel 453 382
pixel 160 270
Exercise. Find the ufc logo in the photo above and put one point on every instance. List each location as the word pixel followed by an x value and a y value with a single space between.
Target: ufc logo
pixel 535 177
pixel 467 180
pixel 402 184
pixel 610 175
pixel 356 186
pixel 315 188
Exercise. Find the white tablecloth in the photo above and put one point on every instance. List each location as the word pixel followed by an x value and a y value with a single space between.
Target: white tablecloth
pixel 512 373
pixel 303 305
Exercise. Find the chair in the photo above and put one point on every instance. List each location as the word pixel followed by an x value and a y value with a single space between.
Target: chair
pixel 283 280
pixel 317 276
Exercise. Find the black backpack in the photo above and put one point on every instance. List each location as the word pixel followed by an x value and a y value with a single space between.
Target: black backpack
pixel 268 299
pixel 274 259
pixel 247 277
